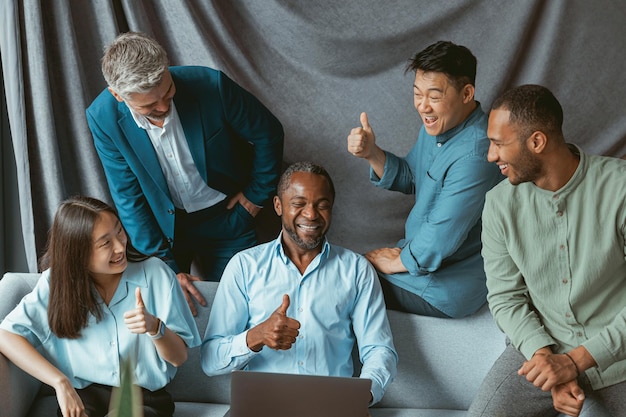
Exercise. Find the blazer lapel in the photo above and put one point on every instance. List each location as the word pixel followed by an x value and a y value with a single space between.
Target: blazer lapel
pixel 139 142
pixel 189 112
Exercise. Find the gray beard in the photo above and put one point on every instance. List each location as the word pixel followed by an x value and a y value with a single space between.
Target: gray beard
pixel 301 243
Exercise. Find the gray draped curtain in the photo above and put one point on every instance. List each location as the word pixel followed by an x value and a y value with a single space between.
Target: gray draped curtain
pixel 315 64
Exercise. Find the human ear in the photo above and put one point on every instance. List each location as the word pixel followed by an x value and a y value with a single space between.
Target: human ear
pixel 537 141
pixel 468 93
pixel 114 93
pixel 278 208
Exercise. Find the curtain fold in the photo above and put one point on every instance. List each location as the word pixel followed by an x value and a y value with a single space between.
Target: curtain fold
pixel 11 54
pixel 316 65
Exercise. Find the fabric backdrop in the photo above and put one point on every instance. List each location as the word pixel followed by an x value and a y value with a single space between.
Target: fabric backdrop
pixel 316 65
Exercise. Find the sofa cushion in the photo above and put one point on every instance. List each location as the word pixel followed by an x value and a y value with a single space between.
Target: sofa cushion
pixel 442 362
pixel 191 384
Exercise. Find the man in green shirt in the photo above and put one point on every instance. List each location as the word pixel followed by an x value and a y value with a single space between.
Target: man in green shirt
pixel 554 245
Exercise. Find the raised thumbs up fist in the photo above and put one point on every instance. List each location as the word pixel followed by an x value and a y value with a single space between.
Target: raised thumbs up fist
pixel 139 320
pixel 361 139
pixel 277 332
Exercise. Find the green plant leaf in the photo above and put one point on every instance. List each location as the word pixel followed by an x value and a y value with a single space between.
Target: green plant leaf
pixel 126 400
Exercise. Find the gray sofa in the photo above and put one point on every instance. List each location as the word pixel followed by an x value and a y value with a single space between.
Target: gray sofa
pixel 442 363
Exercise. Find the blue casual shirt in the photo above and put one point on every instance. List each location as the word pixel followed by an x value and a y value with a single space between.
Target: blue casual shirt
pixel 338 302
pixel 95 356
pixel 449 175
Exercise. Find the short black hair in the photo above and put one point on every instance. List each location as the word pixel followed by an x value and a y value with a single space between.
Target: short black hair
pixel 532 108
pixel 303 166
pixel 455 61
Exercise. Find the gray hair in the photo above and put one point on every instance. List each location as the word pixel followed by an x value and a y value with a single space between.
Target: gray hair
pixel 134 63
pixel 303 166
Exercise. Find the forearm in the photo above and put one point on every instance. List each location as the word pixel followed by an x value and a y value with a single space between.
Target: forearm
pixel 395 174
pixel 19 351
pixel 223 355
pixel 171 348
pixel 582 359
pixel 380 367
pixel 377 160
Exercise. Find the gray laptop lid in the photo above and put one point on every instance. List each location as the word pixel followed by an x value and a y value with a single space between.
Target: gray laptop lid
pixel 260 394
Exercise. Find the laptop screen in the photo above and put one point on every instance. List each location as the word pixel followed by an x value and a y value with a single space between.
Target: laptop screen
pixel 260 394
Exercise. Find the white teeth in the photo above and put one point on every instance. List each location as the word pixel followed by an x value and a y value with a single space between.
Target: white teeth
pixel 303 226
pixel 430 119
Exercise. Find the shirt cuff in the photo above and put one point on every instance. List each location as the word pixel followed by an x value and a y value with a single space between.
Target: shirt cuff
pixel 600 353
pixel 240 346
pixel 390 170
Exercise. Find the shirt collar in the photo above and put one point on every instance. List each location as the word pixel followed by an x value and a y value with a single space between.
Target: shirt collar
pixel 280 251
pixel 143 122
pixel 579 173
pixel 131 275
pixel 449 134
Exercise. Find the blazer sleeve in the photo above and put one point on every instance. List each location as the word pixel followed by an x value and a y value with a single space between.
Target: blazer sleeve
pixel 254 123
pixel 132 205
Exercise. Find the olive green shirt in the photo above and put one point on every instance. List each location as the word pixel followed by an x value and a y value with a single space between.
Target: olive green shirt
pixel 556 264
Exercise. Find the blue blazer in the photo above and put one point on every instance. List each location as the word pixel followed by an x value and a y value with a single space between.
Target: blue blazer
pixel 235 141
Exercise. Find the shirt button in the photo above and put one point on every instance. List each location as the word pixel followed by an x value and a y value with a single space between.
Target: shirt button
pixel 561 247
pixel 439 144
pixel 555 197
pixel 170 211
pixel 112 343
pixel 300 363
pixel 579 334
pixel 300 310
pixel 559 213
pixel 568 315
pixel 564 280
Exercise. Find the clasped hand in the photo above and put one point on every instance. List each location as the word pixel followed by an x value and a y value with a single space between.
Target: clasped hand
pixel 556 373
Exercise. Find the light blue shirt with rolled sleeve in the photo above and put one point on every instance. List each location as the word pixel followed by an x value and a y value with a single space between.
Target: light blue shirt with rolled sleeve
pixel 338 302
pixel 449 175
pixel 95 356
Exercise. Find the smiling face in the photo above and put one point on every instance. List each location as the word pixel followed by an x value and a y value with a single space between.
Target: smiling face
pixel 439 103
pixel 509 152
pixel 108 253
pixel 305 208
pixel 155 105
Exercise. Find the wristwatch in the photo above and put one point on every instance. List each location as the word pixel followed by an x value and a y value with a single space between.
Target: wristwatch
pixel 160 331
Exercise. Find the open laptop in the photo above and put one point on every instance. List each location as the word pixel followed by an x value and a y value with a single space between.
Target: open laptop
pixel 261 394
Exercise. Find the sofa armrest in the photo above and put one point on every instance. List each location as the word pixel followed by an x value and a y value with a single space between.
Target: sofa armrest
pixel 17 389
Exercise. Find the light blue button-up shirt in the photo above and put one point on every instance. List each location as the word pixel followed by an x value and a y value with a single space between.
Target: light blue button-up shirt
pixel 338 302
pixel 449 175
pixel 95 356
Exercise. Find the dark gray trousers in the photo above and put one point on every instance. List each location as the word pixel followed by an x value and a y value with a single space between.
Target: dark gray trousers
pixel 504 393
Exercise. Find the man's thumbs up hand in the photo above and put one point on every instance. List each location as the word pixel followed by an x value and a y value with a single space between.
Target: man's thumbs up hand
pixel 277 332
pixel 361 139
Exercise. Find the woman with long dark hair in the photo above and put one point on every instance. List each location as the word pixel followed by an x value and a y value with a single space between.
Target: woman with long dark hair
pixel 96 304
